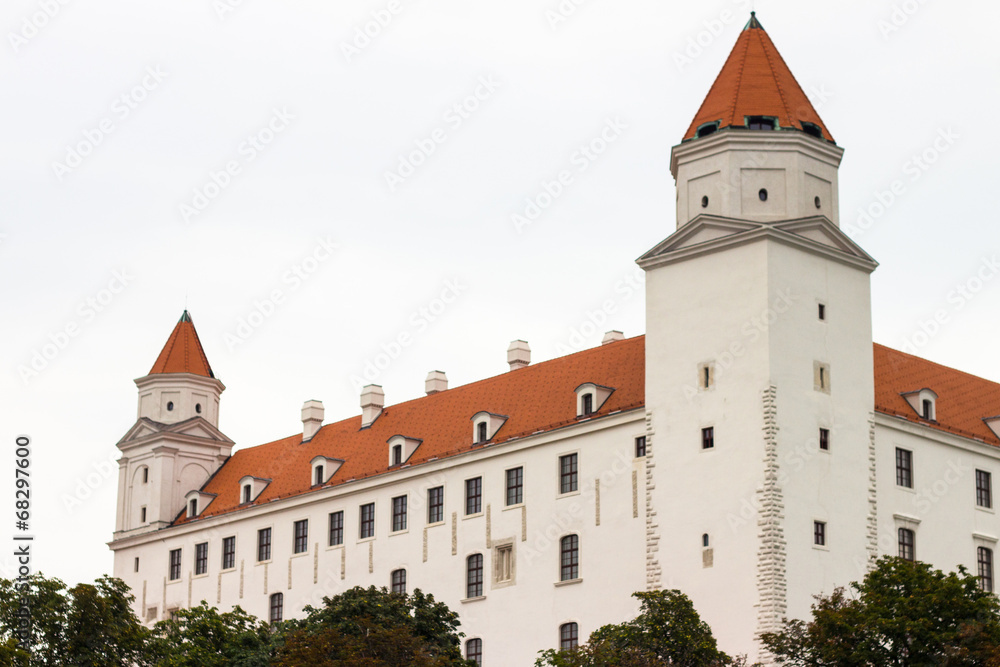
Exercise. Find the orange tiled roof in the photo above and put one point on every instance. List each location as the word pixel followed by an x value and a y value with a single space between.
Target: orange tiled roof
pixel 542 398
pixel 535 398
pixel 755 81
pixel 183 352
pixel 963 400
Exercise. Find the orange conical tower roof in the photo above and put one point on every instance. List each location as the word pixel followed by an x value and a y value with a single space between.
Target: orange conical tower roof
pixel 183 352
pixel 755 81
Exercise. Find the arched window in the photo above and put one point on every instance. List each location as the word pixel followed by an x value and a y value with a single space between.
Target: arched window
pixel 570 558
pixel 277 607
pixel 569 635
pixel 474 576
pixel 398 580
pixel 474 650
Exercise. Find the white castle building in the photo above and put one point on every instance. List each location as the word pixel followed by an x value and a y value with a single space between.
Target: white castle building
pixel 753 449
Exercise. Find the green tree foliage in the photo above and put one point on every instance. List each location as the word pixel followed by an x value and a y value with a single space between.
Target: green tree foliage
pixel 203 637
pixel 87 625
pixel 374 628
pixel 668 631
pixel 902 614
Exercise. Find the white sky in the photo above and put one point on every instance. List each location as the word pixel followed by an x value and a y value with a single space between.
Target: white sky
pixel 885 97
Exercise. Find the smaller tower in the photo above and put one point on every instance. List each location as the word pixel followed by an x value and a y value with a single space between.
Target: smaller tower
pixel 175 444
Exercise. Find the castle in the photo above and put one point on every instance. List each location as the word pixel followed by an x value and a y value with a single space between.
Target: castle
pixel 753 449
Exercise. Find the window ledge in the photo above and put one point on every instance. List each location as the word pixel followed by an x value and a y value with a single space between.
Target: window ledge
pixel 332 547
pixel 475 599
pixel 199 576
pixel 300 554
pixel 988 510
pixel 362 540
pixel 569 582
pixel 821 547
pixel 568 494
pixel 477 515
pixel 404 531
pixel 263 562
pixel 228 569
pixel 436 524
pixel 175 581
pixel 513 507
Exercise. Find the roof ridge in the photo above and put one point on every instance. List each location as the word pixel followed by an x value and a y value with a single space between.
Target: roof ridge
pixel 739 77
pixel 774 75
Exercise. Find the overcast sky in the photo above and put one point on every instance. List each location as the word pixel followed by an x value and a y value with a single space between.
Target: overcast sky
pixel 216 154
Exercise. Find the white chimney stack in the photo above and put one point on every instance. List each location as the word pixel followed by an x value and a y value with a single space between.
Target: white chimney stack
pixel 312 419
pixel 372 402
pixel 518 354
pixel 612 336
pixel 436 382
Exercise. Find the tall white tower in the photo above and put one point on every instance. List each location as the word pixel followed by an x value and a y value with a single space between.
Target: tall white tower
pixel 759 384
pixel 175 445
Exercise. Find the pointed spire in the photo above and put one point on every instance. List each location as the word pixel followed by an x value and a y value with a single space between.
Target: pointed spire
pixel 183 352
pixel 755 81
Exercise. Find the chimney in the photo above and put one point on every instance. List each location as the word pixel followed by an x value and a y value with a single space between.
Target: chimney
pixel 372 402
pixel 612 336
pixel 312 419
pixel 518 354
pixel 436 382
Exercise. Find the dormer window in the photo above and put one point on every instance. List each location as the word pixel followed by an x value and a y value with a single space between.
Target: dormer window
pixel 196 502
pixel 485 426
pixel 923 402
pixel 812 129
pixel 590 398
pixel 323 469
pixel 397 455
pixel 707 128
pixel 251 487
pixel 193 508
pixel 318 475
pixel 247 491
pixel 761 123
pixel 401 448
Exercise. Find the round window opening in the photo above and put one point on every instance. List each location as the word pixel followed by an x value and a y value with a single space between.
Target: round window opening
pixel 762 194
pixel 817 202
pixel 704 202
pixel 197 408
pixel 170 406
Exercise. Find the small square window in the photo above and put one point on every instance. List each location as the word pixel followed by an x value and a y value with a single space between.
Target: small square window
pixel 819 533
pixel 708 437
pixel 824 439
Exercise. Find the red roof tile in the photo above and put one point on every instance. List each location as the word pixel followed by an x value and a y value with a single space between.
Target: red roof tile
pixel 963 400
pixel 755 81
pixel 183 352
pixel 542 398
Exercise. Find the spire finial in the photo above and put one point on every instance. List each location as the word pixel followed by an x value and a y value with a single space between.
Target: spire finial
pixel 753 22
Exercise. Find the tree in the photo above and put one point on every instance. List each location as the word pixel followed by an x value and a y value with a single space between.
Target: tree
pixel 202 637
pixel 374 628
pixel 87 625
pixel 668 631
pixel 903 613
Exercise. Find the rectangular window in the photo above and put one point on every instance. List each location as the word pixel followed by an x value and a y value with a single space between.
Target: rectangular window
pixel 319 475
pixel 398 581
pixel 201 558
pixel 301 542
pixel 984 558
pixel 824 439
pixel 277 607
pixel 503 564
pixel 515 486
pixel 588 405
pixel 708 437
pixel 145 475
pixel 246 493
pixel 336 528
pixel 474 576
pixel 904 468
pixel 399 513
pixel 481 432
pixel 136 563
pixel 473 496
pixel 367 521
pixel 928 410
pixel 984 489
pixel 569 636
pixel 822 311
pixel 570 558
pixel 142 514
pixel 435 504
pixel 474 651
pixel 397 455
pixel 193 508
pixel 263 545
pixel 175 564
pixel 640 447
pixel 228 553
pixel 568 481
pixel 819 533
pixel 906 544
